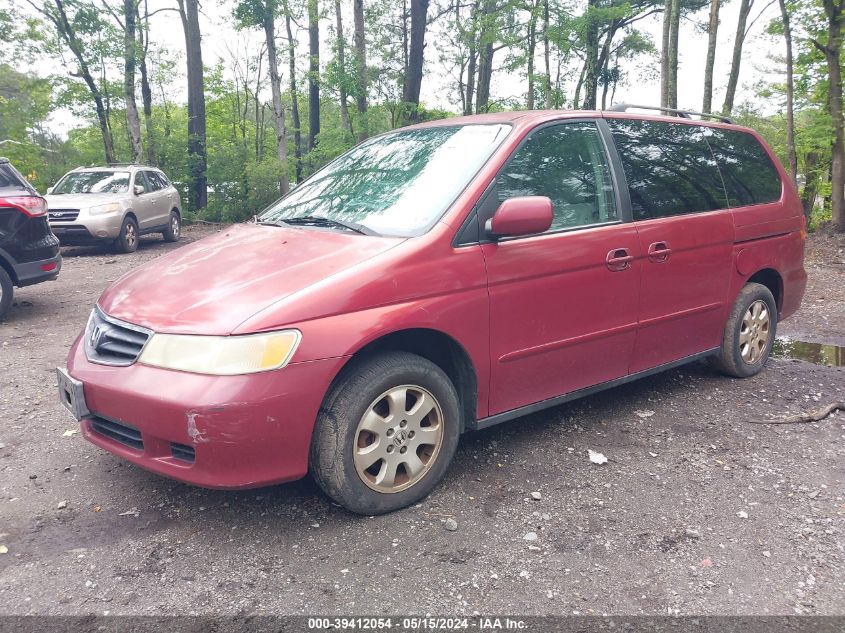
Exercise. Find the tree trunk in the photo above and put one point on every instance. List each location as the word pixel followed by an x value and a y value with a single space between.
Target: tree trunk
pixel 313 73
pixel 592 52
pixel 294 98
pixel 276 90
pixel 360 68
pixel 472 61
pixel 146 89
pixel 672 82
pixel 414 74
pixel 812 175
pixel 341 62
pixel 485 75
pixel 531 48
pixel 790 97
pixel 664 53
pixel 576 100
pixel 739 40
pixel 133 121
pixel 547 84
pixel 712 40
pixel 832 52
pixel 198 193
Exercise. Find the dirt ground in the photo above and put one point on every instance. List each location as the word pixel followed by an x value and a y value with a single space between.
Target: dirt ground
pixel 696 512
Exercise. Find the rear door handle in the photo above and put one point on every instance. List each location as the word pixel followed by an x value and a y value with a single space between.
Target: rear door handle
pixel 619 259
pixel 658 252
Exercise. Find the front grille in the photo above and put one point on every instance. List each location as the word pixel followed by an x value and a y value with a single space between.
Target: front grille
pixel 183 452
pixel 112 342
pixel 63 215
pixel 123 433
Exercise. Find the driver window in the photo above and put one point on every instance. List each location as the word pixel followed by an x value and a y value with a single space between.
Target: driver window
pixel 141 181
pixel 567 163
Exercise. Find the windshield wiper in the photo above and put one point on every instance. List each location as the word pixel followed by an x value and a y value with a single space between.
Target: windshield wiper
pixel 312 220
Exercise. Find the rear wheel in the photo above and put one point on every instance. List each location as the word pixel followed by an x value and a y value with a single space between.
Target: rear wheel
pixel 127 241
pixel 386 433
pixel 174 229
pixel 6 292
pixel 749 333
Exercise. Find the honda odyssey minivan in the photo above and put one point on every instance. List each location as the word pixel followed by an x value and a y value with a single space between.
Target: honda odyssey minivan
pixel 437 279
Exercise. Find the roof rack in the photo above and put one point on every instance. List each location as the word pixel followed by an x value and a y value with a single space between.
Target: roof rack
pixel 684 114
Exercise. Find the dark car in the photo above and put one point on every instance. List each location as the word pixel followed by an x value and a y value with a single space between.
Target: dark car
pixel 29 252
pixel 437 279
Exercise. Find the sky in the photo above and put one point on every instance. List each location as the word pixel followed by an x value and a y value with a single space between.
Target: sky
pixel 643 86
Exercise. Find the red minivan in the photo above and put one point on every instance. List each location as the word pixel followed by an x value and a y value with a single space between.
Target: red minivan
pixel 437 279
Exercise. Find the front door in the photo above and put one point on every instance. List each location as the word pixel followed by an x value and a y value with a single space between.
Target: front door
pixel 563 305
pixel 686 235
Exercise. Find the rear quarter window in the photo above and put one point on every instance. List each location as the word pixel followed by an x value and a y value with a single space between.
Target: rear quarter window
pixel 748 172
pixel 9 180
pixel 669 167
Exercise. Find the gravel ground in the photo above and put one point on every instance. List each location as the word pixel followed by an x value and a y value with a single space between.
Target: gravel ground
pixel 696 510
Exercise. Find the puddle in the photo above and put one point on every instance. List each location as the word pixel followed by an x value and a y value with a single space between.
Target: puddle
pixel 817 353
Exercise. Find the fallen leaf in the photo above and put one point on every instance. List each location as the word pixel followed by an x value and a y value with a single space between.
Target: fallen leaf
pixel 596 457
pixel 70 432
pixel 645 413
pixel 4 549
pixel 97 509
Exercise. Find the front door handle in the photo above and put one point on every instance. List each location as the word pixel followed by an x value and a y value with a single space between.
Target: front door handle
pixel 619 259
pixel 658 252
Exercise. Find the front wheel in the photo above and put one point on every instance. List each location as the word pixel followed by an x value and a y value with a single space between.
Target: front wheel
pixel 386 433
pixel 749 333
pixel 127 241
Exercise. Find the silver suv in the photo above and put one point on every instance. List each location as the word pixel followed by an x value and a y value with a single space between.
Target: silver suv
pixel 118 203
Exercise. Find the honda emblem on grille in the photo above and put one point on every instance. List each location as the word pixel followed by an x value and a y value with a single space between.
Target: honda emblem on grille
pixel 97 335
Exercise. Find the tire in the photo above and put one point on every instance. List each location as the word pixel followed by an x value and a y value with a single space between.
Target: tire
pixel 127 241
pixel 174 229
pixel 6 292
pixel 749 333
pixel 360 399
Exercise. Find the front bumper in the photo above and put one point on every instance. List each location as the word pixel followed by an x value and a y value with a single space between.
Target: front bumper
pixel 86 229
pixel 224 432
pixel 31 273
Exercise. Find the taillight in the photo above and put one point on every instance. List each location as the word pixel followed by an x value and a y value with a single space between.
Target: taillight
pixel 33 206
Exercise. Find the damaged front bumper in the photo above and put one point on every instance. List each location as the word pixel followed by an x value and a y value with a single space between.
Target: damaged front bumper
pixel 212 431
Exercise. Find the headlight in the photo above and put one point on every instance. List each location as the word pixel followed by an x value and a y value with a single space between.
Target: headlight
pixel 102 209
pixel 221 355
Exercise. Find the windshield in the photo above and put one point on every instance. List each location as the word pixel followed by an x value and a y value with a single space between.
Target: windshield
pixel 93 182
pixel 396 184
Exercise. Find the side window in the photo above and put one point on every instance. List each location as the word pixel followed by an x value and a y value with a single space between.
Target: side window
pixel 165 183
pixel 669 167
pixel 142 181
pixel 567 163
pixel 748 172
pixel 152 179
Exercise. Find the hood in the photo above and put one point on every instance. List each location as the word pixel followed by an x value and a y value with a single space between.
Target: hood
pixel 215 284
pixel 80 200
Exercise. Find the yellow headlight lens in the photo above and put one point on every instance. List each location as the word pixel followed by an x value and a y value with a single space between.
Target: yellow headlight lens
pixel 111 207
pixel 221 355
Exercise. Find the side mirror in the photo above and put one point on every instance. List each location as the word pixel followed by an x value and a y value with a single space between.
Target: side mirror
pixel 520 216
pixel 139 189
pixel 49 190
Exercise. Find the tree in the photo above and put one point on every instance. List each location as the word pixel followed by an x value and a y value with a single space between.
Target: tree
pixel 832 52
pixel 712 39
pixel 360 68
pixel 72 29
pixel 739 39
pixel 294 96
pixel 790 96
pixel 133 121
pixel 263 13
pixel 197 156
pixel 341 63
pixel 313 73
pixel 414 69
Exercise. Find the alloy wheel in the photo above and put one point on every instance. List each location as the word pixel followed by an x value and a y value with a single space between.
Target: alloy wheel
pixel 398 438
pixel 754 332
